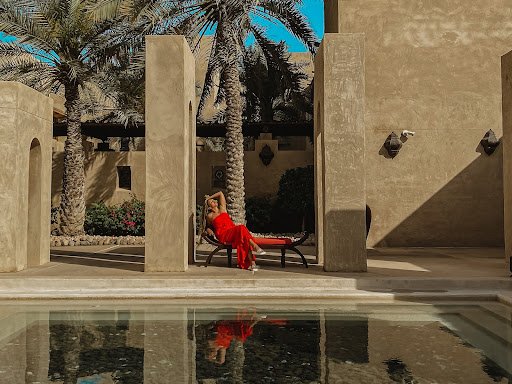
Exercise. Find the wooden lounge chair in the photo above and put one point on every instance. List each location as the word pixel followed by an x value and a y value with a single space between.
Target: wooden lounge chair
pixel 283 244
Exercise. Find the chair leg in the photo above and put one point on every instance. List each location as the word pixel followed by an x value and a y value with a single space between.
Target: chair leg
pixel 283 259
pixel 230 257
pixel 209 259
pixel 301 255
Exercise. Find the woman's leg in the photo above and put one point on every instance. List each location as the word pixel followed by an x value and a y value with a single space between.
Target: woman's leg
pixel 241 239
pixel 254 246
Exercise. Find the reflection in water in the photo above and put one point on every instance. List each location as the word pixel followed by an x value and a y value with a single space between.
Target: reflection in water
pixel 246 346
pixel 84 349
pixel 398 371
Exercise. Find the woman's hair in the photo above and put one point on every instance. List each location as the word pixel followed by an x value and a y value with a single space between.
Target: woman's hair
pixel 203 224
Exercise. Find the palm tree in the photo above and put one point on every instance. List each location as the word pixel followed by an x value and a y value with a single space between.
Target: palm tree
pixel 233 22
pixel 59 47
pixel 274 86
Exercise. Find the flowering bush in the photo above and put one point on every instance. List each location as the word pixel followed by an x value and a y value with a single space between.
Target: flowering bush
pixel 126 219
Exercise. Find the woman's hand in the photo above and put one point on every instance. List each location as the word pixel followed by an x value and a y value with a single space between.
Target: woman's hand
pixel 209 232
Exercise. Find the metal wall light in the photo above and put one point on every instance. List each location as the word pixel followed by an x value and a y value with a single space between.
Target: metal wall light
pixel 393 145
pixel 490 142
pixel 266 155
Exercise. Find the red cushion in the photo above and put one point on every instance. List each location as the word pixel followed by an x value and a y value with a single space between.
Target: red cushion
pixel 272 241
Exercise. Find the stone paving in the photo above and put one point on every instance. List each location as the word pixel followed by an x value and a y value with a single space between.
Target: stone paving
pixel 117 271
pixel 383 262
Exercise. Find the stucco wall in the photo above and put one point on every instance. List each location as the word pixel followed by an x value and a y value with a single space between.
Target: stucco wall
pixel 433 67
pixel 259 179
pixel 25 157
pixel 102 181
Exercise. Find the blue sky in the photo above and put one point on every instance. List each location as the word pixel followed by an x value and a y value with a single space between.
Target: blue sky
pixel 314 11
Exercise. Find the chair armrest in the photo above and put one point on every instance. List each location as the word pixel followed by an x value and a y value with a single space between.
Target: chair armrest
pixel 211 240
pixel 301 240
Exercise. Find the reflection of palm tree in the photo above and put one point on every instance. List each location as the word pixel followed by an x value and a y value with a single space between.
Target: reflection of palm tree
pixel 398 372
pixel 67 340
pixel 235 362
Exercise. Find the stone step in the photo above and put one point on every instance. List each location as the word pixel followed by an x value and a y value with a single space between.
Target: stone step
pixel 500 311
pixel 495 348
pixel 497 327
pixel 395 285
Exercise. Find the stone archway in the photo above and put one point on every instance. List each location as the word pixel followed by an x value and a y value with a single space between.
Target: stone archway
pixel 34 233
pixel 25 176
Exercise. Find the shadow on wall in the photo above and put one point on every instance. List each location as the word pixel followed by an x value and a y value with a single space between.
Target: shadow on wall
pixel 344 230
pixel 100 170
pixel 102 183
pixel 467 211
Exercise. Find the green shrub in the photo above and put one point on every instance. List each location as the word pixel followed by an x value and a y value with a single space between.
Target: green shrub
pixel 258 211
pixel 295 204
pixel 126 219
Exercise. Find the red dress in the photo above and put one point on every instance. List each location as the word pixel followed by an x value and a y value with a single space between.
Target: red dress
pixel 228 330
pixel 236 235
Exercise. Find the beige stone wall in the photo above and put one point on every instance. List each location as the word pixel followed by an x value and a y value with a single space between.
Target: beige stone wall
pixel 259 179
pixel 433 67
pixel 25 157
pixel 101 177
pixel 102 181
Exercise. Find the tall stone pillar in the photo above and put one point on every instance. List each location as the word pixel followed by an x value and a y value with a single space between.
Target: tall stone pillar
pixel 170 154
pixel 340 153
pixel 26 124
pixel 506 79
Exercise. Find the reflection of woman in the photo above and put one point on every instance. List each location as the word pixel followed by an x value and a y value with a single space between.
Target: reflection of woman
pixel 227 331
pixel 215 217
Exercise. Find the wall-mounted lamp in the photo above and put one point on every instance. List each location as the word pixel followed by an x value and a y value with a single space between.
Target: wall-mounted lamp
pixel 266 155
pixel 393 145
pixel 490 142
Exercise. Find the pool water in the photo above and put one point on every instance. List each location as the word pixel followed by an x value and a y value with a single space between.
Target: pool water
pixel 162 342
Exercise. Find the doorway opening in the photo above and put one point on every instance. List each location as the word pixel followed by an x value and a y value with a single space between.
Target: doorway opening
pixel 34 205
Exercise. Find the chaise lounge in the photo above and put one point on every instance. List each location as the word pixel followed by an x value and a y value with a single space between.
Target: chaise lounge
pixel 280 243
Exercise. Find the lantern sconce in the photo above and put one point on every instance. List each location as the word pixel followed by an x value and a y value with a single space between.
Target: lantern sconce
pixel 490 142
pixel 266 155
pixel 393 145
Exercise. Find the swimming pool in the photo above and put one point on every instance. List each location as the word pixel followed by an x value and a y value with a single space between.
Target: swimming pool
pixel 166 342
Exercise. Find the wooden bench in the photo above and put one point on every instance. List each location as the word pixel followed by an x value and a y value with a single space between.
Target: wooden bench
pixel 282 244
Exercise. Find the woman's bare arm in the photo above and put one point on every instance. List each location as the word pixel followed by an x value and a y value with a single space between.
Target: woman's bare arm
pixel 222 201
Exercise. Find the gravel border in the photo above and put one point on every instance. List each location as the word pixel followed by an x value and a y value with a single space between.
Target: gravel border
pixel 71 241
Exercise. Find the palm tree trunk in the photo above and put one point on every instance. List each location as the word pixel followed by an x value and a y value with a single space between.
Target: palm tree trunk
pixel 234 136
pixel 72 203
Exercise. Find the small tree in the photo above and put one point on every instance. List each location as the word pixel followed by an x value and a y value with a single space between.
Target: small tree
pixel 296 195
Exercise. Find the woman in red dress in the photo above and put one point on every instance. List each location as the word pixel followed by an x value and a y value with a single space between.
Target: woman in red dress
pixel 218 220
